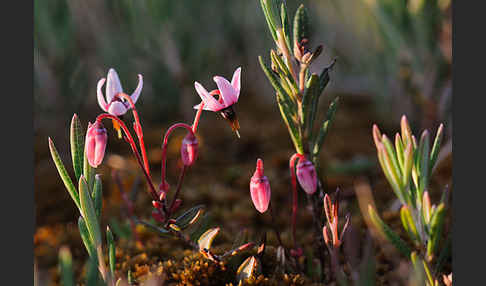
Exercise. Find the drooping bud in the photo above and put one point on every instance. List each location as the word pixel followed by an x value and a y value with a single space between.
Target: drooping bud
pixel 306 174
pixel 260 188
pixel 95 144
pixel 189 148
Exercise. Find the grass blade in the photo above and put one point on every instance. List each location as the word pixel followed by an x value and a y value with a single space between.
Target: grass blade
pixel 68 183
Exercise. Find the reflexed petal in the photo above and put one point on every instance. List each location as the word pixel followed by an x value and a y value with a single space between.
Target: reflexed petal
pixel 137 91
pixel 113 85
pixel 228 93
pixel 210 103
pixel 236 80
pixel 117 108
pixel 101 97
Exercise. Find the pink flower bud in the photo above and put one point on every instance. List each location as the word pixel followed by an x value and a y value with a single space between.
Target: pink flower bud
pixel 95 144
pixel 306 174
pixel 260 188
pixel 189 148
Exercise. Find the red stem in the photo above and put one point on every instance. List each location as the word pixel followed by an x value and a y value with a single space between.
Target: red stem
pixel 138 130
pixel 196 119
pixel 294 194
pixel 130 140
pixel 179 185
pixel 165 143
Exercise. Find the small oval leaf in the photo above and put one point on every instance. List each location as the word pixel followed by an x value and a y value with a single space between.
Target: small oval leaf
pixel 247 268
pixel 206 239
pixel 189 217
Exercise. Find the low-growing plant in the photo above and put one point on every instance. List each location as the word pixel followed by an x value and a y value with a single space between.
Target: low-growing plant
pixel 408 165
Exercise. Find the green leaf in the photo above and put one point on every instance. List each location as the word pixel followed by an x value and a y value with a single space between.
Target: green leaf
pixel 309 102
pixel 390 172
pixel 324 77
pixel 285 25
pixel 85 237
pixel 424 157
pixel 246 269
pixel 301 25
pixel 269 19
pixel 161 231
pixel 392 155
pixel 436 224
pixel 88 212
pixel 319 141
pixel 293 131
pixel 66 267
pixel 111 250
pixel 399 149
pixel 206 239
pixel 189 217
pixel 408 224
pixel 97 196
pixel 68 183
pixel 388 232
pixel 88 173
pixel 77 146
pixel 285 98
pixel 238 249
pixel 407 165
pixel 92 276
pixel 436 147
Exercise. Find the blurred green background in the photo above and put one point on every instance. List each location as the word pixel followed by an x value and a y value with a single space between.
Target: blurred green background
pixel 397 52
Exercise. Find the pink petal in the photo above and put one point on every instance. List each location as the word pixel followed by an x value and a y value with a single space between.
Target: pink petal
pixel 210 103
pixel 228 93
pixel 113 85
pixel 101 97
pixel 117 108
pixel 137 91
pixel 236 81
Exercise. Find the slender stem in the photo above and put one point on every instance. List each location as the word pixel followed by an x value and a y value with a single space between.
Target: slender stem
pixel 130 140
pixel 196 119
pixel 138 130
pixel 165 143
pixel 303 68
pixel 179 184
pixel 294 195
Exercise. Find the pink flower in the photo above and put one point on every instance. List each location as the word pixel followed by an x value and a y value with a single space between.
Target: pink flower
pixel 260 188
pixel 227 95
pixel 189 148
pixel 113 104
pixel 95 143
pixel 306 174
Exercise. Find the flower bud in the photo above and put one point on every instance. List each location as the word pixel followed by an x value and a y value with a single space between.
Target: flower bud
pixel 189 148
pixel 260 188
pixel 95 144
pixel 306 174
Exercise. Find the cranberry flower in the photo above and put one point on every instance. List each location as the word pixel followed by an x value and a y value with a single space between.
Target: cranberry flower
pixel 260 188
pixel 113 104
pixel 95 144
pixel 222 99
